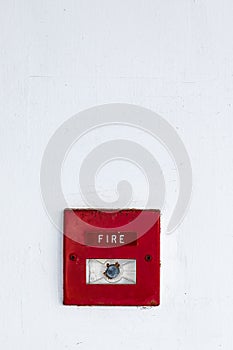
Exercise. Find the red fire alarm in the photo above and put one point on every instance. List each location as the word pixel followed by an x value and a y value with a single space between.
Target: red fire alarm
pixel 111 257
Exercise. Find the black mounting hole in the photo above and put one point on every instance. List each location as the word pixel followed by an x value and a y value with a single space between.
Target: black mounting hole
pixel 73 257
pixel 148 257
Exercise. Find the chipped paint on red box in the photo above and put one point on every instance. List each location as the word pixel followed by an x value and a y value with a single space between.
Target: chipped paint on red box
pixel 112 257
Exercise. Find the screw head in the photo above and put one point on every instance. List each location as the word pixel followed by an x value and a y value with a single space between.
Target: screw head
pixel 148 257
pixel 73 257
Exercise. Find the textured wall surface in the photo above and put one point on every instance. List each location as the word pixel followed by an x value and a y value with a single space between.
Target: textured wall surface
pixel 60 57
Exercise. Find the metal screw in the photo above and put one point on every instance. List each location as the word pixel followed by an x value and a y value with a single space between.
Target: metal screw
pixel 73 257
pixel 148 257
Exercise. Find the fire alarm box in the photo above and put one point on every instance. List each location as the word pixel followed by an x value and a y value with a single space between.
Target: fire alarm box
pixel 111 257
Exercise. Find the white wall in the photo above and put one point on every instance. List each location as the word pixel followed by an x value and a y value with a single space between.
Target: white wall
pixel 60 57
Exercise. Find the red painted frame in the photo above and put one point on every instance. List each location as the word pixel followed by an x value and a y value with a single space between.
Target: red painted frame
pixel 146 291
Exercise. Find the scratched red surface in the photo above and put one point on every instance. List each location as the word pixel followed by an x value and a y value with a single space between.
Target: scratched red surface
pixel 146 291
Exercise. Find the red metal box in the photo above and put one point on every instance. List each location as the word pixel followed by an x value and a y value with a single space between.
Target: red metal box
pixel 111 257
